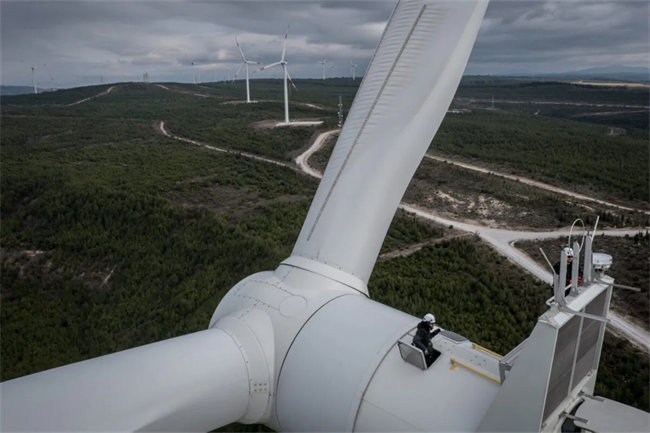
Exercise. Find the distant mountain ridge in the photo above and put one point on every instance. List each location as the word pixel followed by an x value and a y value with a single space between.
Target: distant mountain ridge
pixel 612 72
pixel 17 90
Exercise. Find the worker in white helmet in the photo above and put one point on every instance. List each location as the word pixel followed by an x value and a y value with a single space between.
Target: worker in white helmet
pixel 426 330
pixel 569 267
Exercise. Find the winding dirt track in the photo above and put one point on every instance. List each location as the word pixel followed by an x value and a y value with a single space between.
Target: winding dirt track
pixel 303 159
pixel 165 132
pixel 501 240
pixel 81 101
pixel 532 182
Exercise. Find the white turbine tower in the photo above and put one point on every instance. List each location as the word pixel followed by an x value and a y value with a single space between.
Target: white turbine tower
pixel 245 62
pixel 193 73
pixel 322 63
pixel 353 67
pixel 283 63
pixel 34 79
pixel 303 348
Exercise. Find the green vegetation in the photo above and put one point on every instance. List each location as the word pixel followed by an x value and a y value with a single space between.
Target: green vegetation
pixel 530 89
pixel 407 229
pixel 59 97
pixel 623 373
pixel 573 155
pixel 631 262
pixel 115 236
pixel 186 114
pixel 479 294
pixel 456 192
pixel 471 290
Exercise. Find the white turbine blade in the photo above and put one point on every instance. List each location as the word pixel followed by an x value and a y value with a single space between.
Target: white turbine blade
pixel 197 382
pixel 269 66
pixel 238 70
pixel 290 80
pixel 240 51
pixel 396 112
pixel 284 44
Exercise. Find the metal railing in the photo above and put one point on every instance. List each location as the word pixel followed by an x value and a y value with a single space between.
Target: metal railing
pixel 455 362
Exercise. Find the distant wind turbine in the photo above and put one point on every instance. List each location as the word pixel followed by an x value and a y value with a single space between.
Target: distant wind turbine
pixel 283 62
pixel 353 66
pixel 193 73
pixel 34 80
pixel 244 62
pixel 322 63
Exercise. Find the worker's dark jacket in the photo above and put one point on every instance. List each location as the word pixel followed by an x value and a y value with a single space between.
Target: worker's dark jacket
pixel 423 336
pixel 569 270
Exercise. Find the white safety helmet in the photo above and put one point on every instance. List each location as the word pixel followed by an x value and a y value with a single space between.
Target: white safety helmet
pixel 429 318
pixel 568 251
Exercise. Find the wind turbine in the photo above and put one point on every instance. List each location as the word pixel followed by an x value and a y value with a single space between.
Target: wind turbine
pixel 193 73
pixel 303 348
pixel 353 67
pixel 322 63
pixel 34 79
pixel 283 63
pixel 245 63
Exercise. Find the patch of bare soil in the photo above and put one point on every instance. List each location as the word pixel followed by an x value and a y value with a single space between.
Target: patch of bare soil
pixel 486 199
pixel 34 263
pixel 480 209
pixel 308 105
pixel 265 124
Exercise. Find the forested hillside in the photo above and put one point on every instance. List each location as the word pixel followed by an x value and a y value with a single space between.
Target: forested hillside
pixel 114 235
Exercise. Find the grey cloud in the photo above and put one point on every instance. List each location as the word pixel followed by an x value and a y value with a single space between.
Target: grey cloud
pixel 167 36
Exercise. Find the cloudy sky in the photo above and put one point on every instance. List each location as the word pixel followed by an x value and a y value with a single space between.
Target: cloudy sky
pixel 82 42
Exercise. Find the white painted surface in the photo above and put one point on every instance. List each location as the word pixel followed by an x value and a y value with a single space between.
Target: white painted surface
pixel 520 403
pixel 289 296
pixel 192 383
pixel 332 360
pixel 404 398
pixel 611 416
pixel 396 112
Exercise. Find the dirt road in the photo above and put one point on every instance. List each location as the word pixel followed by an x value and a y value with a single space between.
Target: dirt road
pixel 81 101
pixel 501 240
pixel 532 182
pixel 303 159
